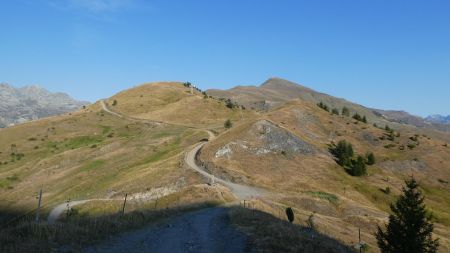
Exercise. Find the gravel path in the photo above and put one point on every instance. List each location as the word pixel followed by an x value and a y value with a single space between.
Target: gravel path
pixel 241 191
pixel 207 230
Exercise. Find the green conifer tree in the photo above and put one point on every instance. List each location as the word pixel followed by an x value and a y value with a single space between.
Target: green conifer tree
pixel 410 228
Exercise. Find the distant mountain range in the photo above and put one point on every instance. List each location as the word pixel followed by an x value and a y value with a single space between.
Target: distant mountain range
pixel 276 91
pixel 440 119
pixel 18 105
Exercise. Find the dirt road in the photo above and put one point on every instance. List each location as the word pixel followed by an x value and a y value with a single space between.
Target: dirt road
pixel 241 191
pixel 207 230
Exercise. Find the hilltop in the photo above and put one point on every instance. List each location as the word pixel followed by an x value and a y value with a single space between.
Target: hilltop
pixel 165 145
pixel 276 91
pixel 18 105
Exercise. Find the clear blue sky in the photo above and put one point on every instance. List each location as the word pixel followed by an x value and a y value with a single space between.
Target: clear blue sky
pixel 388 54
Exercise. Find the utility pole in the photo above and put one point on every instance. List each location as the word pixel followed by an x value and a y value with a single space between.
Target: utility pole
pixel 124 203
pixel 39 206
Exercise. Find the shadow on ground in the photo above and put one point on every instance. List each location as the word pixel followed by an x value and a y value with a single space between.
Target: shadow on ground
pixel 262 231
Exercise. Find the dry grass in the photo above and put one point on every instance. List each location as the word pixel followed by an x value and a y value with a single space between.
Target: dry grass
pixel 361 201
pixel 96 221
pixel 268 233
pixel 173 103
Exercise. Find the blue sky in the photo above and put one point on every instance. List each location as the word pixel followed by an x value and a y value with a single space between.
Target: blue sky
pixel 388 54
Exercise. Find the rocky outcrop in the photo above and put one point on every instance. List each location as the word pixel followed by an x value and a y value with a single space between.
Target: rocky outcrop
pixel 263 138
pixel 18 105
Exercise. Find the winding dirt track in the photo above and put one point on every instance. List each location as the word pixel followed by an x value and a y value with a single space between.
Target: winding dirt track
pixel 240 191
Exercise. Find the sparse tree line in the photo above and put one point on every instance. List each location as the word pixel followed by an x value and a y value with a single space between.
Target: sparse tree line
pixel 228 102
pixel 391 135
pixel 344 112
pixel 354 165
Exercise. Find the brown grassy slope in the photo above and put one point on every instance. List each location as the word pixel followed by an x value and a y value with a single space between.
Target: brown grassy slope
pixel 173 103
pixel 89 154
pixel 276 91
pixel 315 183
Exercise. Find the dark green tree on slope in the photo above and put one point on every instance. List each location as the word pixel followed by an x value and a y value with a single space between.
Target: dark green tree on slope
pixel 409 229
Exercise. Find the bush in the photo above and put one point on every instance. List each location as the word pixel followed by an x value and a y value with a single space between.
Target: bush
pixel 386 190
pixel 228 124
pixel 323 106
pixel 290 214
pixel 370 158
pixel 360 118
pixel 229 104
pixel 414 138
pixel 411 146
pixel 346 111
pixel 114 102
pixel 335 111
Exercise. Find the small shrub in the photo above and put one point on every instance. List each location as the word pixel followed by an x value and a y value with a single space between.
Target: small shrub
pixel 323 106
pixel 335 111
pixel 290 214
pixel 370 158
pixel 411 146
pixel 228 124
pixel 310 222
pixel 114 102
pixel 442 181
pixel 389 145
pixel 386 190
pixel 413 138
pixel 346 111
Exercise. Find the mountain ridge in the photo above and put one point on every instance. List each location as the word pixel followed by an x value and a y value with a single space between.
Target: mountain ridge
pixel 19 105
pixel 276 91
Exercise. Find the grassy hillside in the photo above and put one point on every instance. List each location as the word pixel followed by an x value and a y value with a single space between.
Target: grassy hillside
pixel 174 103
pixel 95 154
pixel 310 180
pixel 139 149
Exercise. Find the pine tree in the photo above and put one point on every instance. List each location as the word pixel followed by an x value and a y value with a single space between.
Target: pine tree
pixel 364 119
pixel 358 167
pixel 410 228
pixel 343 151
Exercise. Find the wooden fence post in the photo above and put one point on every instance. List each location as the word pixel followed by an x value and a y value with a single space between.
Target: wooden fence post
pixel 124 203
pixel 39 206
